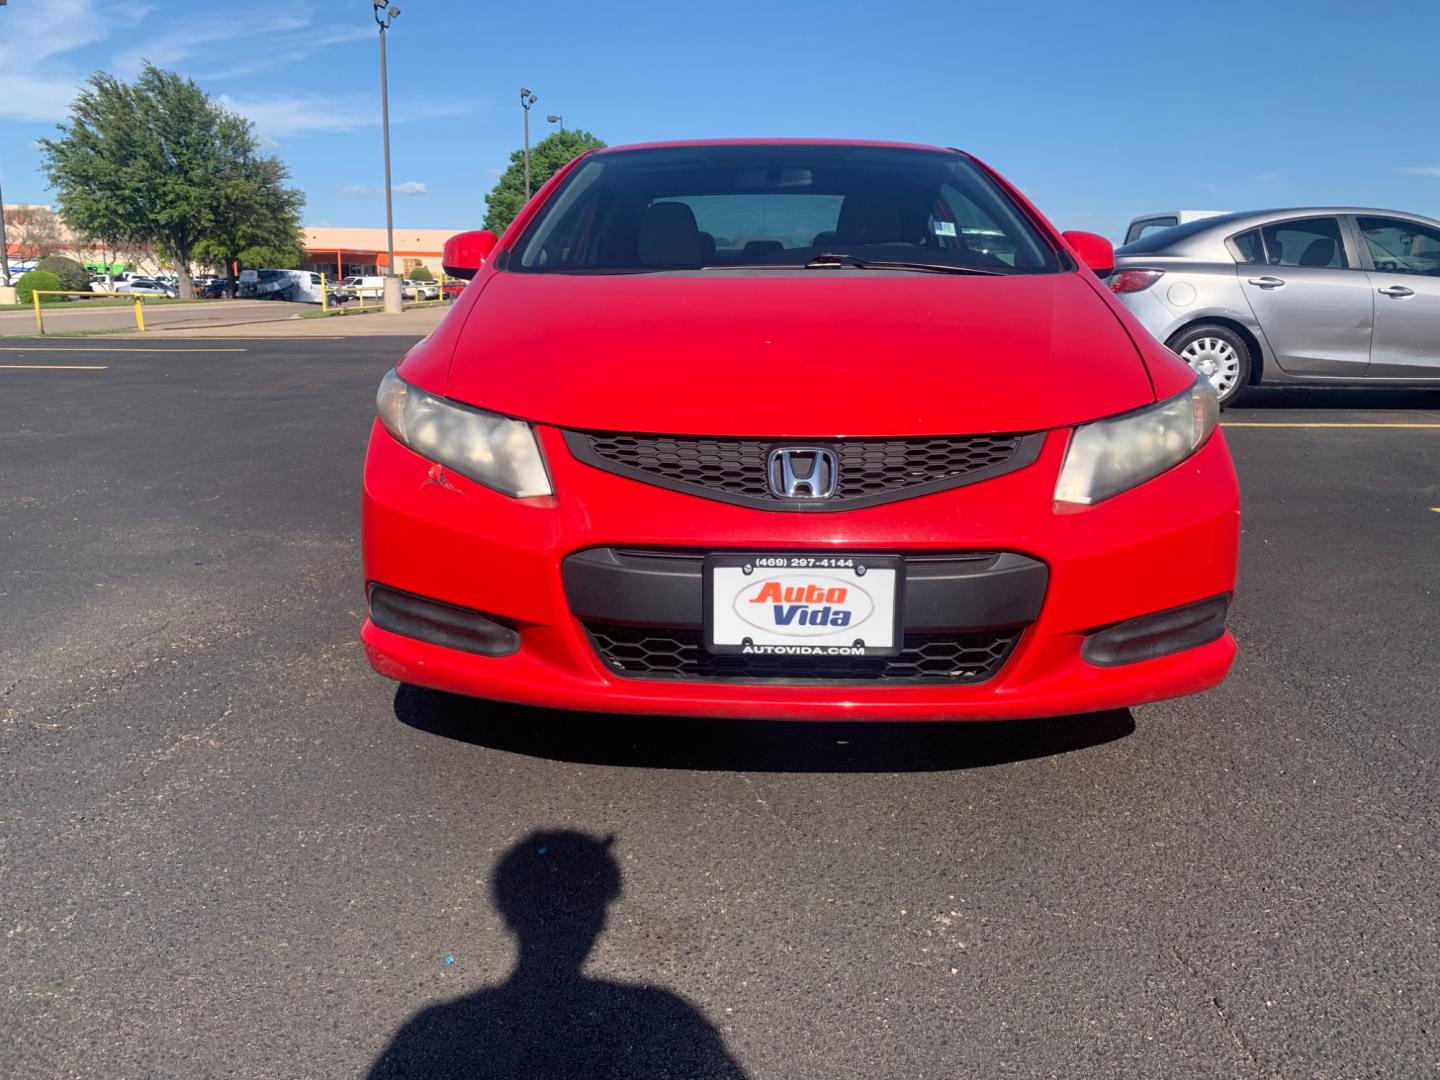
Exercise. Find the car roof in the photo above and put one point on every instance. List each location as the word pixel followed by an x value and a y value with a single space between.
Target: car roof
pixel 1205 238
pixel 693 144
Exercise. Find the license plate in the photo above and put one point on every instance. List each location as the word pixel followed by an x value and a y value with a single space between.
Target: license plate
pixel 803 605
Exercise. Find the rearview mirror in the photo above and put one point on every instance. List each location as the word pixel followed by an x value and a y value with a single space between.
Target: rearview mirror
pixel 466 252
pixel 1094 251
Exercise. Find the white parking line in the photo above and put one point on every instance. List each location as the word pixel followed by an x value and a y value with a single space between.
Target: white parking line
pixel 87 349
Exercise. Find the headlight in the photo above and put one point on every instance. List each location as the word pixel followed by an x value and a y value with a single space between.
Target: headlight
pixel 1111 456
pixel 488 448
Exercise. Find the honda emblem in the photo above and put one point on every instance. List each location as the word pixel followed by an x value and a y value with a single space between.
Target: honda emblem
pixel 803 472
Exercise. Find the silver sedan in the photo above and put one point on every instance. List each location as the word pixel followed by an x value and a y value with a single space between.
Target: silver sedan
pixel 1327 295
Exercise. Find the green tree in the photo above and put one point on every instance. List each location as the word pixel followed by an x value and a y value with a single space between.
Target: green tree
pixel 546 158
pixel 421 273
pixel 72 275
pixel 255 220
pixel 145 164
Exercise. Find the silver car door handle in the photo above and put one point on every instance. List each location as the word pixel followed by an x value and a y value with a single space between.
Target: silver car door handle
pixel 1397 291
pixel 1267 282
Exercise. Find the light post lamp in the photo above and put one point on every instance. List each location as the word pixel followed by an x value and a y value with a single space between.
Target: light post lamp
pixel 391 291
pixel 526 100
pixel 557 120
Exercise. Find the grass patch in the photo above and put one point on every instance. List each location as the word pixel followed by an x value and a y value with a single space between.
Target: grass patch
pixel 369 310
pixel 98 332
pixel 98 302
pixel 334 311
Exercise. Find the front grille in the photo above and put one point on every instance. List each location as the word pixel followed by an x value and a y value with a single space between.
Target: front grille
pixel 870 470
pixel 674 653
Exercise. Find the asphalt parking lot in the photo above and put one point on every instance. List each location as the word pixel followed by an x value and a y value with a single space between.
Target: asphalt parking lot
pixel 229 849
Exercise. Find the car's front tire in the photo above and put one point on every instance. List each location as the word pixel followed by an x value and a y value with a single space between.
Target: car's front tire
pixel 1218 353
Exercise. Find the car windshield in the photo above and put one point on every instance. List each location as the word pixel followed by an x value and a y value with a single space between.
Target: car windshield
pixel 780 207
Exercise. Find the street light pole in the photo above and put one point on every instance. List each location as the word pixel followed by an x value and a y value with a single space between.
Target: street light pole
pixel 557 120
pixel 391 291
pixel 4 247
pixel 526 100
pixel 4 241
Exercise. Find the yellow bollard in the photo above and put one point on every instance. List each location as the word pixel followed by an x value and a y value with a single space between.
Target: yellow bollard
pixel 324 295
pixel 39 321
pixel 140 315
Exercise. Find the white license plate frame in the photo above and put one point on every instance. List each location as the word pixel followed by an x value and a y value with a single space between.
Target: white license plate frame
pixel 872 583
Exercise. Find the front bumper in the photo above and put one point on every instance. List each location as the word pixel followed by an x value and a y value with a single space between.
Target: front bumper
pixel 1168 543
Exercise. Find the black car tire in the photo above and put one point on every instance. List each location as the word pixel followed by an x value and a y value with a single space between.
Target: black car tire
pixel 1194 337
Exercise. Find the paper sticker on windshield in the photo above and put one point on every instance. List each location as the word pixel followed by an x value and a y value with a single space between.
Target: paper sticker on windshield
pixel 944 228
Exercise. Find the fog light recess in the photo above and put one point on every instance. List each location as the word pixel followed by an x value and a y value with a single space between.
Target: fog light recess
pixel 440 623
pixel 1160 634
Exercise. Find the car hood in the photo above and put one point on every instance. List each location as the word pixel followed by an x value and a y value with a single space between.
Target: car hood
pixel 808 353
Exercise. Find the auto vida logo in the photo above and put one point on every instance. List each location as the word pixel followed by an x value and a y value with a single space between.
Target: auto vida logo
pixel 803 605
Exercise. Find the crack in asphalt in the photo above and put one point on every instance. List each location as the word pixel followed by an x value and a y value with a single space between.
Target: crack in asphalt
pixel 1231 1029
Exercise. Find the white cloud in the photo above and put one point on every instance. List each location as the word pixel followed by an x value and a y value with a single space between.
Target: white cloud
pixel 37 82
pixel 271 42
pixel 42 69
pixel 409 187
pixel 1423 170
pixel 29 97
pixel 34 33
pixel 261 61
pixel 279 115
pixel 187 38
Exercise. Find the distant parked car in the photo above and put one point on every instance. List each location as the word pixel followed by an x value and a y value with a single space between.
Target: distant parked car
pixel 1146 224
pixel 1330 295
pixel 453 287
pixel 366 287
pixel 302 286
pixel 148 286
pixel 421 290
pixel 211 290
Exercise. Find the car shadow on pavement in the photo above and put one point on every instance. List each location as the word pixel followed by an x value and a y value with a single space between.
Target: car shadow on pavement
pixel 750 745
pixel 549 1019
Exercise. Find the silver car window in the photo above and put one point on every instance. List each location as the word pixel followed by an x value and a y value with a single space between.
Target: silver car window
pixel 1313 242
pixel 1250 247
pixel 1402 247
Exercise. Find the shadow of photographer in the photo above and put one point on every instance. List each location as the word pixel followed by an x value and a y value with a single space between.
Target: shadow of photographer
pixel 749 745
pixel 548 1019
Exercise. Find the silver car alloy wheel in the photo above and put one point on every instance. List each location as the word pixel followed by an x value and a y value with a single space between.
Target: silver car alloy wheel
pixel 1216 359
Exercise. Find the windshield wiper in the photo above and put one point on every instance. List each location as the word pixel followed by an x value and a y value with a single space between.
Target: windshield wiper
pixel 828 260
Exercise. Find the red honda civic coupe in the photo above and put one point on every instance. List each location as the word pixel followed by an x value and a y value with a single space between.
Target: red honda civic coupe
pixel 798 430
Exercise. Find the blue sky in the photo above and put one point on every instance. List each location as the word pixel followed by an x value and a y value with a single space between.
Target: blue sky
pixel 1100 111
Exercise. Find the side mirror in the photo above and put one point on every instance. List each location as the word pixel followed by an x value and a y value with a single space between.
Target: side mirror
pixel 466 252
pixel 1094 251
